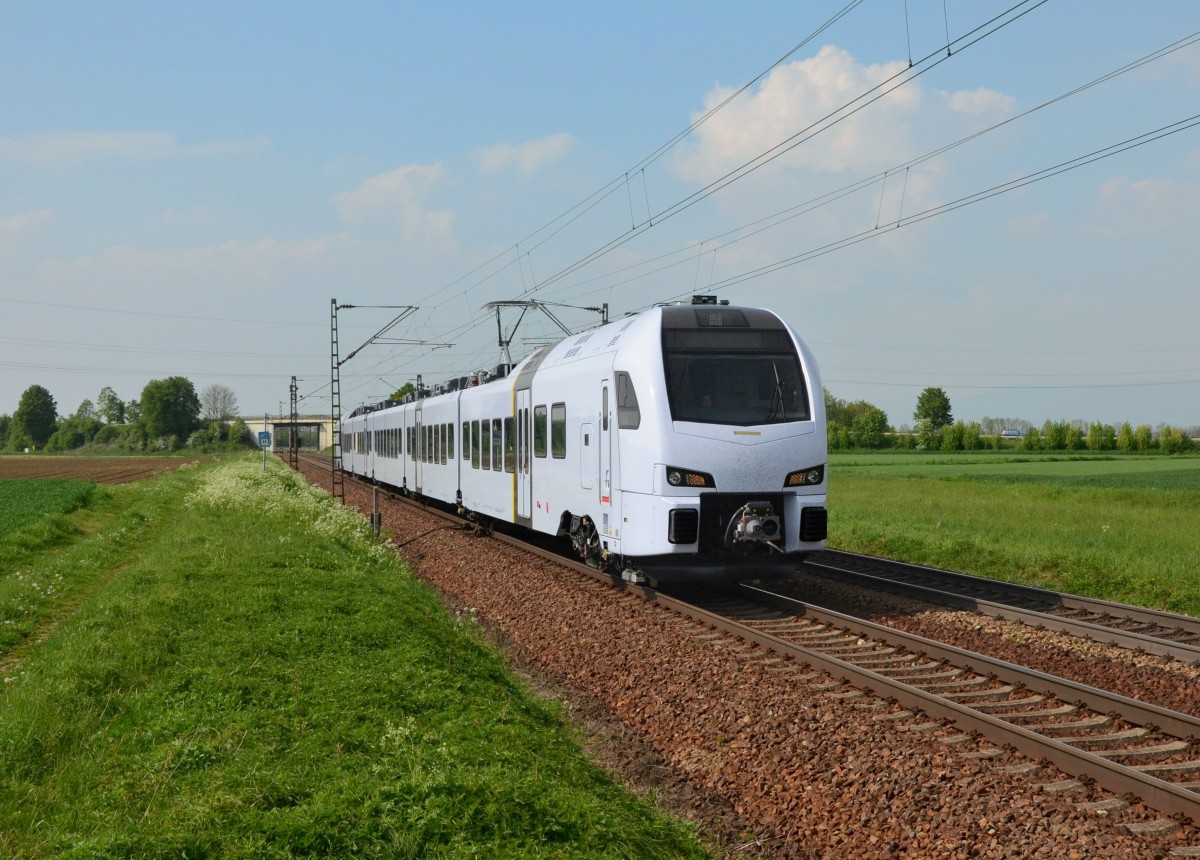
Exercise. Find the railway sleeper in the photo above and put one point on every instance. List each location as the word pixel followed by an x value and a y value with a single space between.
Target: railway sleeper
pixel 1028 701
pixel 1153 751
pixel 1111 738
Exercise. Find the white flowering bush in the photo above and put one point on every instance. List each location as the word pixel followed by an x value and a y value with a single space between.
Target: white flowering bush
pixel 277 491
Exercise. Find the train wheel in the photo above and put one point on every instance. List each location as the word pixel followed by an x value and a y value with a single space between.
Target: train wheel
pixel 586 540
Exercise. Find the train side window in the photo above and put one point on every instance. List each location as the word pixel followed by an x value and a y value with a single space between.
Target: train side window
pixel 539 431
pixel 497 444
pixel 510 445
pixel 466 441
pixel 474 444
pixel 485 445
pixel 629 416
pixel 558 430
pixel 450 449
pixel 445 444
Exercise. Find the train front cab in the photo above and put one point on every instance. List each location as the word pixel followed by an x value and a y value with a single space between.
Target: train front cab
pixel 733 482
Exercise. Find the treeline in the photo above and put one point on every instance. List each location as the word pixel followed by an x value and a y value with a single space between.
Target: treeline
pixel 168 416
pixel 862 425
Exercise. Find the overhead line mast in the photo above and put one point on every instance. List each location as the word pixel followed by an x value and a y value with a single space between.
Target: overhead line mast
pixel 337 487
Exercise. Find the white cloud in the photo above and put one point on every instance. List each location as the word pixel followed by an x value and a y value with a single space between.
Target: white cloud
pixel 401 193
pixel 70 148
pixel 795 96
pixel 980 102
pixel 22 222
pixel 1141 206
pixel 795 99
pixel 528 157
pixel 16 232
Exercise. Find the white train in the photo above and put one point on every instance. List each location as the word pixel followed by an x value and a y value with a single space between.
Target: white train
pixel 683 442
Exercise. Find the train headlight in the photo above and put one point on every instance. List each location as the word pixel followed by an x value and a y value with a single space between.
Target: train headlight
pixel 809 477
pixel 688 478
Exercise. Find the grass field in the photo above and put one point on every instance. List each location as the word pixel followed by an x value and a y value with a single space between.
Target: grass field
pixel 24 501
pixel 241 672
pixel 1119 527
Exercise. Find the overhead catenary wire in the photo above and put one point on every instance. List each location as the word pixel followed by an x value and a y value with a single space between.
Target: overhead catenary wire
pixel 775 219
pixel 831 119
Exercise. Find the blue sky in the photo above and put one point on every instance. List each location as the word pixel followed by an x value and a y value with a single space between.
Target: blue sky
pixel 186 187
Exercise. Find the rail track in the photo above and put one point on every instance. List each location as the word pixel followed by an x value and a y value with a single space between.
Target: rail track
pixel 1150 631
pixel 1129 748
pixel 1125 746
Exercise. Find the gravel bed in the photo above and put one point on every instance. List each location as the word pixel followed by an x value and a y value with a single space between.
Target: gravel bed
pixel 771 758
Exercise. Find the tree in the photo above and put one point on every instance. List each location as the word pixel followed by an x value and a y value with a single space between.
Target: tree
pixel 933 407
pixel 86 410
pixel 133 411
pixel 5 422
pixel 109 407
pixel 74 432
pixel 217 403
pixel 869 428
pixel 170 407
pixel 932 414
pixel 1101 437
pixel 36 415
pixel 402 392
pixel 1125 437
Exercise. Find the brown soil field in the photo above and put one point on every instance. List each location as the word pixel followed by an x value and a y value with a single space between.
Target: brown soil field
pixel 102 470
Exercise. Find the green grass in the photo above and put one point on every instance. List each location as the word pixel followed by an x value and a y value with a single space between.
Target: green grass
pixel 259 679
pixel 25 500
pixel 1120 528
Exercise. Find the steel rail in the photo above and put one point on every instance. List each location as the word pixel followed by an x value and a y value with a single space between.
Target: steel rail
pixel 1102 633
pixel 1125 611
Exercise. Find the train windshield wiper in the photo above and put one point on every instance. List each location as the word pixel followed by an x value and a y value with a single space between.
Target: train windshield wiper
pixel 777 405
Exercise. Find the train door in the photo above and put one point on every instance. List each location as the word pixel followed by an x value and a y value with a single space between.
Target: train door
pixel 524 478
pixel 605 452
pixel 369 433
pixel 419 448
pixel 610 510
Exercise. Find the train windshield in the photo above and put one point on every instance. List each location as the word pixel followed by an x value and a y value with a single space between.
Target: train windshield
pixel 734 376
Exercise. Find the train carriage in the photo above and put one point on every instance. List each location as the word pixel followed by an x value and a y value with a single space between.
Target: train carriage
pixel 681 442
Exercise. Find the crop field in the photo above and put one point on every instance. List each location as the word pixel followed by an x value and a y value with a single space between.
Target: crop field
pixel 23 501
pixel 1081 470
pixel 1117 527
pixel 102 470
